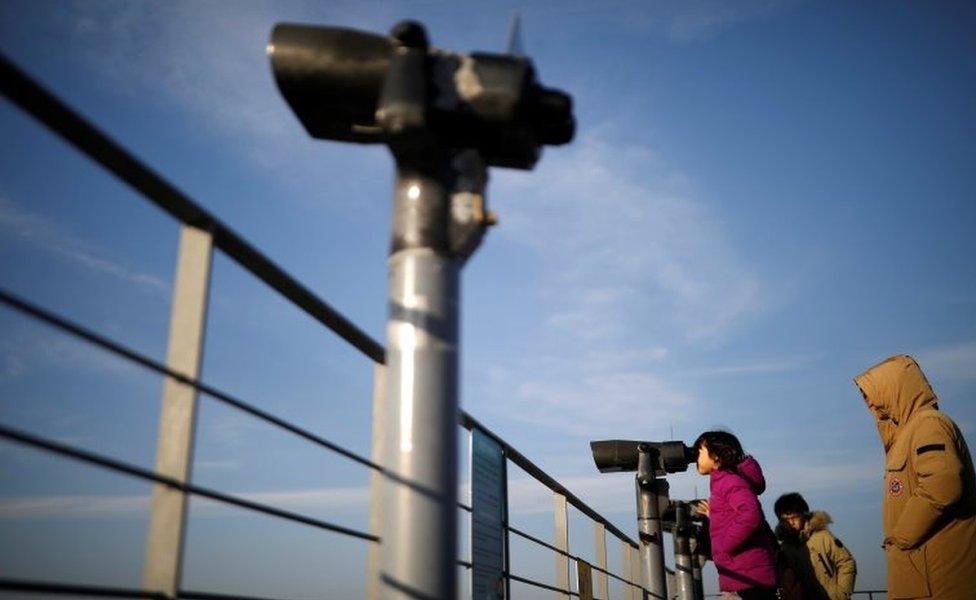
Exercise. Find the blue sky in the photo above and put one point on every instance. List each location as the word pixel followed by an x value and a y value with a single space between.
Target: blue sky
pixel 763 199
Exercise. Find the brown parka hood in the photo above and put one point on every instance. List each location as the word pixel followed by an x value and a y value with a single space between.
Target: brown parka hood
pixel 895 390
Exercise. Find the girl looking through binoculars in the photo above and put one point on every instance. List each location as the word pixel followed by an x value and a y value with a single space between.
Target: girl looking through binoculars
pixel 743 546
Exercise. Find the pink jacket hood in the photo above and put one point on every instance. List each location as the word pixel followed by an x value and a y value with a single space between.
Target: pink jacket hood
pixel 749 470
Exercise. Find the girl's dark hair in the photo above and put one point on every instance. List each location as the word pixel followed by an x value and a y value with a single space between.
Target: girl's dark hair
pixel 723 447
pixel 792 503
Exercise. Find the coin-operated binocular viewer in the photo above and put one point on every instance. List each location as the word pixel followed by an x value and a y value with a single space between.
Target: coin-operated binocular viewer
pixel 446 117
pixel 652 461
pixel 689 529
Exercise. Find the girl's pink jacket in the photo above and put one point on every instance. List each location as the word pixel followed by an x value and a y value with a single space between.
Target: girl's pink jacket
pixel 743 547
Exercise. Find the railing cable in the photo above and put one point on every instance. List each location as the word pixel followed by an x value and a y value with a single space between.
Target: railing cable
pixel 63 324
pixel 30 439
pixel 74 589
pixel 539 584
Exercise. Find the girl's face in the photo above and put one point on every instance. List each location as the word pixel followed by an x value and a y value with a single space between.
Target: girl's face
pixel 706 464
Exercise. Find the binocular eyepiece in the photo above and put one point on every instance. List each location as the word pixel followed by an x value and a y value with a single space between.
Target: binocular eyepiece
pixel 612 456
pixel 354 86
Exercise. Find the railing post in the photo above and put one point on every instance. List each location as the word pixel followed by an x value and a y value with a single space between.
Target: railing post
pixel 625 564
pixel 635 568
pixel 561 514
pixel 174 449
pixel 505 530
pixel 376 481
pixel 600 552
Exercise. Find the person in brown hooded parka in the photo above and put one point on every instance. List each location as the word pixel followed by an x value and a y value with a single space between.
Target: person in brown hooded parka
pixel 929 508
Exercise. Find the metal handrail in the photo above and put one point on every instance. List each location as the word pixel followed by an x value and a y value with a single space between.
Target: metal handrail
pixel 569 555
pixel 74 589
pixel 539 584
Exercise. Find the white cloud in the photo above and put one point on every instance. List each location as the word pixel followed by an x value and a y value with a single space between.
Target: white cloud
pixel 626 245
pixel 23 352
pixel 526 496
pixel 635 271
pixel 216 465
pixel 51 237
pixel 754 367
pixel 71 506
pixel 680 22
pixel 954 361
pixel 603 493
pixel 703 18
pixel 826 475
pixel 11 366
pixel 75 506
pixel 208 61
pixel 595 404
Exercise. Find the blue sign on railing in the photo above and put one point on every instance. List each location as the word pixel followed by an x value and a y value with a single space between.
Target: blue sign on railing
pixel 487 518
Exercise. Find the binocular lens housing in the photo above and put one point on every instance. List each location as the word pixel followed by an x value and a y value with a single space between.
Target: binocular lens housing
pixel 331 77
pixel 612 456
pixel 338 80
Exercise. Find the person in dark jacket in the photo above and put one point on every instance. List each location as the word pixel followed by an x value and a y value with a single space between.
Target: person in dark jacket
pixel 823 568
pixel 743 546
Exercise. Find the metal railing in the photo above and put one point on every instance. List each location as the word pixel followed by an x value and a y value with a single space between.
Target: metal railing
pixel 201 232
pixel 869 593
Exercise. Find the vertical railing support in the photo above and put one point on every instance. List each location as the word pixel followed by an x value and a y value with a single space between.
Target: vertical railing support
pixel 628 571
pixel 174 449
pixel 506 531
pixel 601 585
pixel 561 515
pixel 635 568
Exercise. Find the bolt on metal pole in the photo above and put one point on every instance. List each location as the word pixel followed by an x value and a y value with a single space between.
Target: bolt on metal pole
pixel 683 559
pixel 650 492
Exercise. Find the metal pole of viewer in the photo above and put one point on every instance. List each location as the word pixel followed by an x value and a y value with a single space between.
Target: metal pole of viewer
pixel 650 491
pixel 420 496
pixel 683 558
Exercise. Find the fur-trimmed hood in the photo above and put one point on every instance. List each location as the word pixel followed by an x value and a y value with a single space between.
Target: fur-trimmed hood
pixel 818 521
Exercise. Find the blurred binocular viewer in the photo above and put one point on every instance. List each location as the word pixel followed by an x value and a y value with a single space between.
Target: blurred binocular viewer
pixel 691 510
pixel 354 86
pixel 661 458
